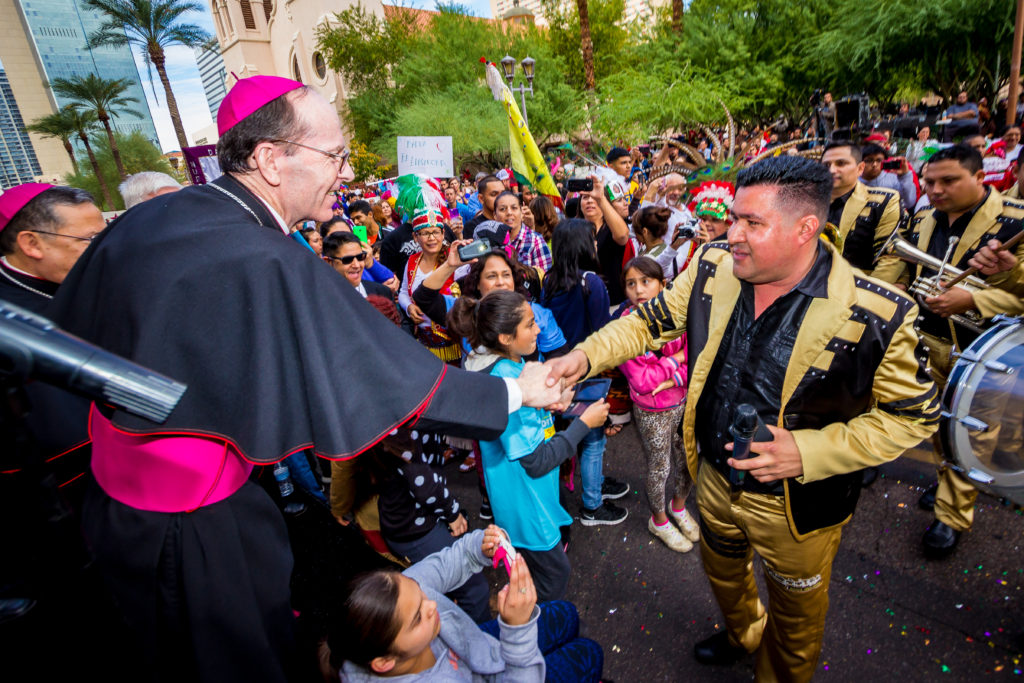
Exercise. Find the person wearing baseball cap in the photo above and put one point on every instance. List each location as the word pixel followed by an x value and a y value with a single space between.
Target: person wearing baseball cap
pixel 43 230
pixel 203 285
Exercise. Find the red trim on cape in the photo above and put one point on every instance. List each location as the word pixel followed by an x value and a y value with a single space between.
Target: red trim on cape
pixel 413 415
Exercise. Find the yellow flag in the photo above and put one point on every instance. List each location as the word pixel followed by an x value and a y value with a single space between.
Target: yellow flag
pixel 528 164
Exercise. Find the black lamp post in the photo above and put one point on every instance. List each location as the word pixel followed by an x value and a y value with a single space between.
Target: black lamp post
pixel 508 66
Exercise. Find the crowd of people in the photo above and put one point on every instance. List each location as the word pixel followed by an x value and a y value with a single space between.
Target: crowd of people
pixel 466 315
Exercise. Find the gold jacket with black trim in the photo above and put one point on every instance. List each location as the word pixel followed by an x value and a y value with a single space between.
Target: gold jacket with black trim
pixel 999 217
pixel 872 213
pixel 856 393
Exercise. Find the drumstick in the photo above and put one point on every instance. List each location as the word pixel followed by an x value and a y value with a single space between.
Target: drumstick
pixel 972 270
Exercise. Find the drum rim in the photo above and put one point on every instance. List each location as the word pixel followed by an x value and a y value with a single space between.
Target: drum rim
pixel 962 381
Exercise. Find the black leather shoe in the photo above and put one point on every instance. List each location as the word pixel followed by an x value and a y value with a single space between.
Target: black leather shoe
pixel 940 540
pixel 927 499
pixel 717 650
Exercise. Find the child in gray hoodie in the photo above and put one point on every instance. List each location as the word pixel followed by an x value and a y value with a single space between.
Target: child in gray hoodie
pixel 402 627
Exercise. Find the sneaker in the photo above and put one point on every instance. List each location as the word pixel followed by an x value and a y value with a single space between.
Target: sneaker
pixel 613 489
pixel 469 464
pixel 485 512
pixel 606 514
pixel 670 536
pixel 686 523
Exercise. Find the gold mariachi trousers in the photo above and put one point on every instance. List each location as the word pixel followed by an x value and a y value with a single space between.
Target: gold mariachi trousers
pixel 954 499
pixel 734 525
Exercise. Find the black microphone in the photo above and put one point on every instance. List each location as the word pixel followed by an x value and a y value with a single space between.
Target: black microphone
pixel 33 347
pixel 745 424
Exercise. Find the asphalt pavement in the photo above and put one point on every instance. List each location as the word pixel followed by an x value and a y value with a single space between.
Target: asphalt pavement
pixel 894 615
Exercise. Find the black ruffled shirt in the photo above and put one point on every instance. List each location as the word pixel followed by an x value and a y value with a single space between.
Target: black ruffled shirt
pixel 751 366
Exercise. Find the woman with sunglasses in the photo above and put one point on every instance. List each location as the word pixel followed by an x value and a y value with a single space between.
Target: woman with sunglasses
pixel 346 254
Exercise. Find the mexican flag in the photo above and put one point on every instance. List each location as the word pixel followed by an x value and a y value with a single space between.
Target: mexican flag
pixel 527 162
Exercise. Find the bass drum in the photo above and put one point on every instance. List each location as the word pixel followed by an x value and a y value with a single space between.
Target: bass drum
pixel 983 411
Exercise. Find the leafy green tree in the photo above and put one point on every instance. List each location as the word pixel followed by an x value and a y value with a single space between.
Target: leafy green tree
pixel 137 153
pixel 755 48
pixel 761 58
pixel 84 123
pixel 627 111
pixel 151 26
pixel 406 79
pixel 103 96
pixel 608 39
pixel 365 164
pixel 888 46
pixel 60 125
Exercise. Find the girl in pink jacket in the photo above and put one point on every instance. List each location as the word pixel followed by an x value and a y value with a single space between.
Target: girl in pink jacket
pixel 657 382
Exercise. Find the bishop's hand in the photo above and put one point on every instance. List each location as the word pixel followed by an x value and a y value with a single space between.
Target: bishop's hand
pixel 533 382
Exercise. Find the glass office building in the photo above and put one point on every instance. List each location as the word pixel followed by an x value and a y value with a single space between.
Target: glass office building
pixel 18 162
pixel 214 76
pixel 59 30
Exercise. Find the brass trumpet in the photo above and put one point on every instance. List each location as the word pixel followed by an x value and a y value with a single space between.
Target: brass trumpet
pixel 934 286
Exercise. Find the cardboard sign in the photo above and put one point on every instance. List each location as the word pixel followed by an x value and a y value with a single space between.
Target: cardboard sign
pixel 431 156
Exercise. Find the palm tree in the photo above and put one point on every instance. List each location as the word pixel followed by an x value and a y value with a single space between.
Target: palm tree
pixel 586 43
pixel 59 125
pixel 85 122
pixel 104 96
pixel 151 26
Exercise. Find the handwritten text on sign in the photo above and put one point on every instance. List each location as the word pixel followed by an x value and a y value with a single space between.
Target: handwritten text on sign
pixel 431 156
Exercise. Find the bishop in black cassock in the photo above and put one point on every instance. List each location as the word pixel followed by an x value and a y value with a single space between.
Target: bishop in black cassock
pixel 279 353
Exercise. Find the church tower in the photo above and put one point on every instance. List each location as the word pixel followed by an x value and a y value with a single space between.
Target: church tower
pixel 279 38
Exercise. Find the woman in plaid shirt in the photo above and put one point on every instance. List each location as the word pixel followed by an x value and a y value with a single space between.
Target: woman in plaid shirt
pixel 529 246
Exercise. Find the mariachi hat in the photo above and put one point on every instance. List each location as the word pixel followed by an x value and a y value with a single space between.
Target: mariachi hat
pixel 714 199
pixel 248 95
pixel 420 201
pixel 14 200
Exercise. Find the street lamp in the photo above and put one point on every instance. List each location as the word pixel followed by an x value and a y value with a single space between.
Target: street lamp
pixel 508 65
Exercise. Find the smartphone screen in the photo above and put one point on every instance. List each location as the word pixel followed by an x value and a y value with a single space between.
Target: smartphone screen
pixel 591 390
pixel 579 185
pixel 474 250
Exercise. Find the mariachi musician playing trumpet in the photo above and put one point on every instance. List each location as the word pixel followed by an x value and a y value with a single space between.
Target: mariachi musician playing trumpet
pixel 964 216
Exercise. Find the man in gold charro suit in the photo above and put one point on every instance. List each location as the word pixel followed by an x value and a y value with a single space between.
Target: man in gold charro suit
pixel 864 216
pixel 965 209
pixel 828 358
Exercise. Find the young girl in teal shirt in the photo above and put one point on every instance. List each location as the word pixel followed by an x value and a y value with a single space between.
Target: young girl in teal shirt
pixel 521 466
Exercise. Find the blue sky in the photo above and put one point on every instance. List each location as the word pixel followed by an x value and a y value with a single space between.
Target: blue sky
pixel 188 88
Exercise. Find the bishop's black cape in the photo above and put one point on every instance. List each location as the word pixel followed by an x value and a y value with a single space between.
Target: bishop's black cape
pixel 278 351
